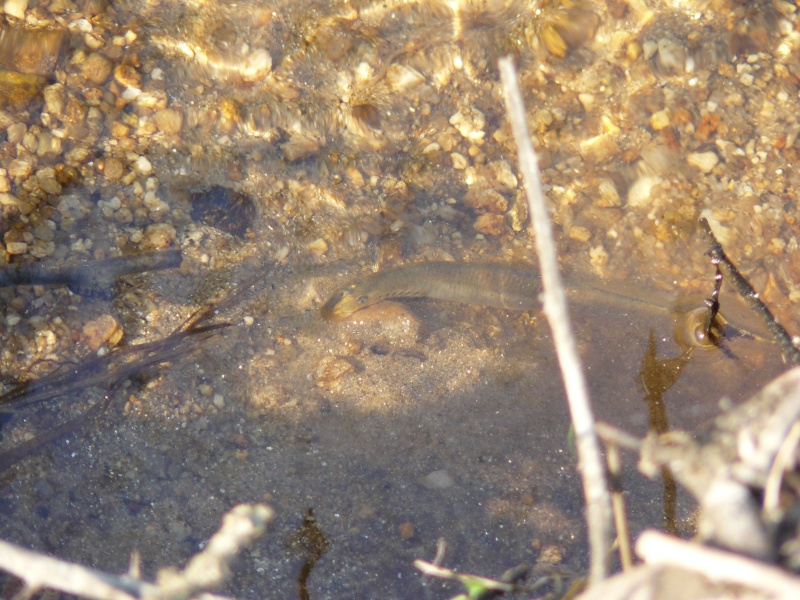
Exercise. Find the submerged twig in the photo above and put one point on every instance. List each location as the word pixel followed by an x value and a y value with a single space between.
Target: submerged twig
pixel 108 370
pixel 590 463
pixel 113 366
pixel 750 296
pixel 206 570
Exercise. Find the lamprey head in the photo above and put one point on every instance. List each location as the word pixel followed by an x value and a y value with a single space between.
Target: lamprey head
pixel 344 303
pixel 690 328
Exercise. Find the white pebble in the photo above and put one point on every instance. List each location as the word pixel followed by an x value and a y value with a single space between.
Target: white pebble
pixel 16 247
pixel 459 161
pixel 470 122
pixel 639 192
pixel 143 166
pixel 131 93
pixel 438 480
pixel 81 25
pixel 705 161
pixel 15 8
pixel 660 120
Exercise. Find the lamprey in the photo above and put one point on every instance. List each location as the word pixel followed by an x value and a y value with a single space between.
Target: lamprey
pixel 512 287
pixel 486 284
pixel 91 277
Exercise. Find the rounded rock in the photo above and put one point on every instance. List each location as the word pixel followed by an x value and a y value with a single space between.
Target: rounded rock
pixel 169 120
pixel 96 68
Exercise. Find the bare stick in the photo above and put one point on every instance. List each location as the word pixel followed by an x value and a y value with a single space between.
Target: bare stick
pixel 618 506
pixel 750 296
pixel 39 571
pixel 784 460
pixel 206 570
pixel 657 548
pixel 590 463
pixel 618 437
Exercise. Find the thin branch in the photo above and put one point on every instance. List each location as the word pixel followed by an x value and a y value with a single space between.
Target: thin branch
pixel 784 460
pixel 209 568
pixel 618 506
pixel 39 571
pixel 590 463
pixel 657 548
pixel 618 437
pixel 206 570
pixel 750 296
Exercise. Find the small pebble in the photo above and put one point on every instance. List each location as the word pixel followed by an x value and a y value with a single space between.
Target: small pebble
pixel 16 8
pixel 470 123
pixel 55 99
pixel 16 247
pixel 608 194
pixel 96 68
pixel 169 120
pixel 330 371
pixel 581 234
pixel 406 530
pixel 660 120
pixel 490 224
pixel 355 177
pixel 438 480
pixel 705 161
pixel 299 147
pixel 485 201
pixel 15 132
pixel 318 247
pixel 127 76
pixel 460 161
pixel 599 148
pixel 20 169
pixel 101 331
pixel 671 56
pixel 257 66
pixel 158 236
pixel 504 175
pixel 142 166
pixel 639 192
pixel 113 169
pixel 552 554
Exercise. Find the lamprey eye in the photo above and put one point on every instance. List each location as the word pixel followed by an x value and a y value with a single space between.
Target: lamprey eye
pixel 362 299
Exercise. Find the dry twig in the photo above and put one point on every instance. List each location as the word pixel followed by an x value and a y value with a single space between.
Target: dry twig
pixel 590 463
pixel 657 548
pixel 206 570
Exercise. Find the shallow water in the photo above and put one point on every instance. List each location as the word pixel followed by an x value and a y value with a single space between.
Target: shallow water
pixel 374 139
